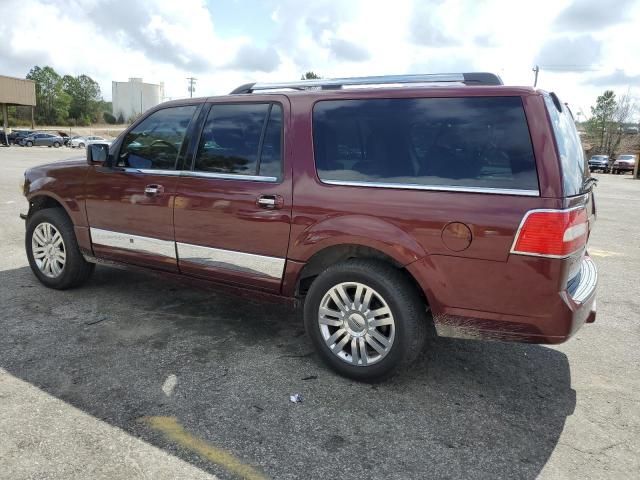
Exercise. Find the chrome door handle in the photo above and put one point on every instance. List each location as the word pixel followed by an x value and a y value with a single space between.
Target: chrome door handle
pixel 270 201
pixel 153 189
pixel 267 202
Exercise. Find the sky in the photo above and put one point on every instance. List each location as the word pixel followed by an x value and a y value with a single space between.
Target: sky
pixel 582 46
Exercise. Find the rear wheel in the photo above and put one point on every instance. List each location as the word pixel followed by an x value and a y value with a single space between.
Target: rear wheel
pixel 365 318
pixel 81 145
pixel 53 251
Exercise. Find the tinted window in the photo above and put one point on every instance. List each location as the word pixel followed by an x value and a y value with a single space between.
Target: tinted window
pixel 271 156
pixel 230 139
pixel 156 142
pixel 468 142
pixel 572 160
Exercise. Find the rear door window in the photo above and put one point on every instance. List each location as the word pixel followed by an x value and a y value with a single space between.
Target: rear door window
pixel 573 163
pixel 475 143
pixel 242 139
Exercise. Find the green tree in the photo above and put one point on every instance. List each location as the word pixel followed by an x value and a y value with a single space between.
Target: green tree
pixel 52 102
pixel 311 76
pixel 601 120
pixel 85 98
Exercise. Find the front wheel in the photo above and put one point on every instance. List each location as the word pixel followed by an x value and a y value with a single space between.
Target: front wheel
pixel 53 252
pixel 29 144
pixel 365 318
pixel 81 145
pixel 56 144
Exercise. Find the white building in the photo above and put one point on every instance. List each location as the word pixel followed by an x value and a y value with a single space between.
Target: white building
pixel 132 98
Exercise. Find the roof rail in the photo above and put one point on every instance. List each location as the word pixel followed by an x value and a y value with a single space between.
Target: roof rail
pixel 473 78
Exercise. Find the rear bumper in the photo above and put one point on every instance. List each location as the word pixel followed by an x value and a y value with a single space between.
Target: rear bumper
pixel 518 311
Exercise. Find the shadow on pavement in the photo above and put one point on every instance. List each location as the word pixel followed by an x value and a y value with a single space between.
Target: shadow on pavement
pixel 467 409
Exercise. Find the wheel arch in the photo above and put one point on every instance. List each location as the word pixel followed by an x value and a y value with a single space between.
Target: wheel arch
pixel 331 255
pixel 41 201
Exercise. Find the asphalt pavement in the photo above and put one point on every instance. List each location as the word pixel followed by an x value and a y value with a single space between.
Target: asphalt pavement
pixel 137 376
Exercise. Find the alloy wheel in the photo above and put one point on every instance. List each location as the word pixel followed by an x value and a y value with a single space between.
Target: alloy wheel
pixel 48 248
pixel 356 323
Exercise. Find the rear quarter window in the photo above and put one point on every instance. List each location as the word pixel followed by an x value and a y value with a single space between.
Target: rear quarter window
pixel 477 143
pixel 572 160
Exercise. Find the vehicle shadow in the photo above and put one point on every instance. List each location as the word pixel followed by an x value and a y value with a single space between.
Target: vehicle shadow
pixel 466 409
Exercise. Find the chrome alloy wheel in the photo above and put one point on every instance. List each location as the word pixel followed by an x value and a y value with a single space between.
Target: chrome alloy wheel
pixel 48 250
pixel 356 323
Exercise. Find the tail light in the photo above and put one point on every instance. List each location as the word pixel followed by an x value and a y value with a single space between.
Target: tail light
pixel 552 233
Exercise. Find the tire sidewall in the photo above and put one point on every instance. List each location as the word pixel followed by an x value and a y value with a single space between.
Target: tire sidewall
pixel 386 289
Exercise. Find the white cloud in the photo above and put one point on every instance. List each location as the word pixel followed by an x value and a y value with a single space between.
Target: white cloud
pixel 165 40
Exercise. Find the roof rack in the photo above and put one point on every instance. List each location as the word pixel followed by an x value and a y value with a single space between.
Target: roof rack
pixel 473 78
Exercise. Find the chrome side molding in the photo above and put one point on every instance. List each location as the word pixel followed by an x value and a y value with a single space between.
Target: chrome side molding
pixel 135 243
pixel 206 257
pixel 265 266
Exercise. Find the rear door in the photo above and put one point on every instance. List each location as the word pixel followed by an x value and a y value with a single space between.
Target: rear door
pixel 233 205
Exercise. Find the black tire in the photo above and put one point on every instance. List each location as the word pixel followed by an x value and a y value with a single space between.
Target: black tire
pixel 56 144
pixel 81 145
pixel 29 144
pixel 76 269
pixel 407 307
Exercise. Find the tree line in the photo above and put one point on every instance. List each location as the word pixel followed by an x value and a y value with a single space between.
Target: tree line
pixel 63 100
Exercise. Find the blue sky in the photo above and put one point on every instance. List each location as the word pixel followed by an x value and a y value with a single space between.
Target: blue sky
pixel 235 17
pixel 582 46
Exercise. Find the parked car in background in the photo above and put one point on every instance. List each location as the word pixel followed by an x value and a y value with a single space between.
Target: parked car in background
pixel 42 140
pixel 82 142
pixel 71 139
pixel 385 211
pixel 599 162
pixel 624 163
pixel 16 135
pixel 65 137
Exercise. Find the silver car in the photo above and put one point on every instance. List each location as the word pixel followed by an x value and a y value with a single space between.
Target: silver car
pixel 42 140
pixel 82 142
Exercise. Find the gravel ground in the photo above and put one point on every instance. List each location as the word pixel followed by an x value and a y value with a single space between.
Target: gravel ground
pixel 205 377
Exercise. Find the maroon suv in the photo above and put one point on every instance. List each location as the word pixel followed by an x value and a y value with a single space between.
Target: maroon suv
pixel 450 199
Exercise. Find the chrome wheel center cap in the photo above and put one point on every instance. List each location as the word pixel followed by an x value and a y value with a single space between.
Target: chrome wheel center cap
pixel 356 323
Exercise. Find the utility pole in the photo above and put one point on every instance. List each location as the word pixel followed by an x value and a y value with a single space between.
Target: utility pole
pixel 192 85
pixel 536 70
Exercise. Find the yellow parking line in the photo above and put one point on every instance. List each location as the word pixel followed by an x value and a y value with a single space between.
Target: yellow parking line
pixel 171 429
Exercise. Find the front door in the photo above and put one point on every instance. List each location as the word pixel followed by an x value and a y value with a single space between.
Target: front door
pixel 130 202
pixel 233 208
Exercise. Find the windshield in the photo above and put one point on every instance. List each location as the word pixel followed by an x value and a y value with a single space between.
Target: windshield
pixel 572 160
pixel 626 157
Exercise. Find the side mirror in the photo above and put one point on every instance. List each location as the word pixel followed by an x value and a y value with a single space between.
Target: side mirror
pixel 97 153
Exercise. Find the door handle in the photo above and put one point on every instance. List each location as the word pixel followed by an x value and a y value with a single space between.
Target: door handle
pixel 153 189
pixel 270 201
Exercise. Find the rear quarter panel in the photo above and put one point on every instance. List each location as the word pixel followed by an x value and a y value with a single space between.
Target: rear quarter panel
pixel 408 224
